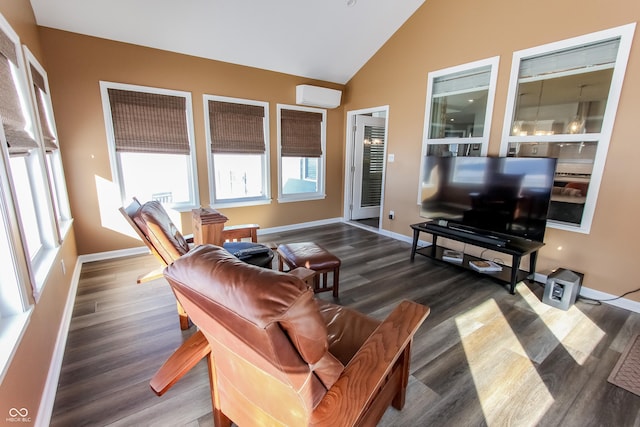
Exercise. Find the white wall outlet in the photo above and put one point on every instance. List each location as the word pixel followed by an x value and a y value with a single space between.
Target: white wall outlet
pixel 391 158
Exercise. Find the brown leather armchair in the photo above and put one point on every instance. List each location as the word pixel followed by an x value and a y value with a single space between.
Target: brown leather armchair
pixel 157 231
pixel 277 355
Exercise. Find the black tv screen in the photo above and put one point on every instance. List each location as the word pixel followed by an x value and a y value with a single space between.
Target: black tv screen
pixel 508 195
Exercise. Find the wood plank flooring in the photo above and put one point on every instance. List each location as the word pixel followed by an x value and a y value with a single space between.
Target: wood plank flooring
pixel 482 358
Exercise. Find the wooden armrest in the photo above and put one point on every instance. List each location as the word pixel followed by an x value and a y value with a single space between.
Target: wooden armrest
pixel 236 232
pixel 180 362
pixel 152 275
pixel 352 394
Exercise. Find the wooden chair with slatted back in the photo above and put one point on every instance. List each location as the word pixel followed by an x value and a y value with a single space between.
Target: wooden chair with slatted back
pixel 155 228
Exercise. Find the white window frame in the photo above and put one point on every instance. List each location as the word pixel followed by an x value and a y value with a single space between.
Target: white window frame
pixel 116 170
pixel 17 276
pixel 625 34
pixel 266 162
pixel 53 161
pixel 40 262
pixel 320 192
pixel 482 141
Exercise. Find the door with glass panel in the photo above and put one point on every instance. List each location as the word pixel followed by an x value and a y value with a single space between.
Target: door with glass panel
pixel 368 167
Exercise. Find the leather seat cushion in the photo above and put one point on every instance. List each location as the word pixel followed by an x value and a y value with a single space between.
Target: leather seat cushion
pixel 347 329
pixel 309 255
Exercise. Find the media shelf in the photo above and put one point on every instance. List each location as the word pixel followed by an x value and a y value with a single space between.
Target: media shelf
pixel 515 246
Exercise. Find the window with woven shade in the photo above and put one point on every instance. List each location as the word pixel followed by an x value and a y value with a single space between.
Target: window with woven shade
pixel 53 159
pixel 14 119
pixel 301 148
pixel 28 239
pixel 237 138
pixel 26 161
pixel 150 135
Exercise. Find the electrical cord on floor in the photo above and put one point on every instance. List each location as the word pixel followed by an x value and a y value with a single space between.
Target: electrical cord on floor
pixel 594 301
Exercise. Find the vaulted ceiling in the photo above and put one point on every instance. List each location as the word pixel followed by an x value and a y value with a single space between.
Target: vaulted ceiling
pixel 320 39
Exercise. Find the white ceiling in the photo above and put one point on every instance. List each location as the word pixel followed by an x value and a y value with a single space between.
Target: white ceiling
pixel 320 39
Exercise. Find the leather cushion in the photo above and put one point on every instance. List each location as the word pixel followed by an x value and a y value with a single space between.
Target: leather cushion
pixel 156 224
pixel 309 255
pixel 258 295
pixel 347 329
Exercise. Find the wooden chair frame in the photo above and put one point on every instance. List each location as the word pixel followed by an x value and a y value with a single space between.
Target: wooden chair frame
pixel 229 233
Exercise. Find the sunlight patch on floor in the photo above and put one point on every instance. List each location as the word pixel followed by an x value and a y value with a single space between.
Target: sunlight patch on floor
pixel 572 329
pixel 499 369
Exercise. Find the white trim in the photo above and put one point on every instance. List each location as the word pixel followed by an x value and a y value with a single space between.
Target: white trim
pixel 45 410
pixel 266 160
pixel 349 158
pixel 116 171
pixel 11 333
pixel 298 226
pixel 322 166
pixel 483 140
pixel 625 33
pixel 100 256
pixel 55 170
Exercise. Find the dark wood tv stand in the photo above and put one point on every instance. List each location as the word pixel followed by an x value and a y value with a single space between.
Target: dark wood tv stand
pixel 517 247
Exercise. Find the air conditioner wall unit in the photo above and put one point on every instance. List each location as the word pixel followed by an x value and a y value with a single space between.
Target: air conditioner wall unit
pixel 315 96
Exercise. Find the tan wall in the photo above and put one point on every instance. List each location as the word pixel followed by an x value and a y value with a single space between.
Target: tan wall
pixel 444 33
pixel 77 63
pixel 24 382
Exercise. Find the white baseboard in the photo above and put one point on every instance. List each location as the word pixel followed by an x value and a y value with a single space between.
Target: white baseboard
pixel 585 292
pixel 100 256
pixel 298 226
pixel 43 419
pixel 48 396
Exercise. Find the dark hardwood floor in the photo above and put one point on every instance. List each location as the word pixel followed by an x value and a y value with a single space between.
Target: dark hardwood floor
pixel 482 358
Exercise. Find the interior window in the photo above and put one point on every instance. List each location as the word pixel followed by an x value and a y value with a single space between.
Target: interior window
pixel 563 99
pixel 150 134
pixel 237 137
pixel 301 148
pixel 458 110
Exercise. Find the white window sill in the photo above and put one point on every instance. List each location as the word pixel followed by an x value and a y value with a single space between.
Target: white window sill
pixel 240 203
pixel 11 330
pixel 301 198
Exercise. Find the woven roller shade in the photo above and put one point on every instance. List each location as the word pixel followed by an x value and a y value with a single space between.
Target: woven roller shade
pixel 8 48
pixel 300 133
pixel 13 120
pixel 38 79
pixel 236 128
pixel 149 122
pixel 47 128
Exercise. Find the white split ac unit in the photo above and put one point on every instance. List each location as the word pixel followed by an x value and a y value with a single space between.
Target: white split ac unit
pixel 315 96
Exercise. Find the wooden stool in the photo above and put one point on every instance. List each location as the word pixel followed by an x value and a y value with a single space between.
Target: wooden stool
pixel 313 257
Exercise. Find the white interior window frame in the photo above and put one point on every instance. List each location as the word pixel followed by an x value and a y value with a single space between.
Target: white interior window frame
pixel 116 171
pixel 483 140
pixel 16 304
pixel 625 34
pixel 320 193
pixel 266 160
pixel 40 263
pixel 55 170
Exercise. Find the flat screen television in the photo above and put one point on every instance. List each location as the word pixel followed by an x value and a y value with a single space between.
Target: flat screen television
pixel 507 195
